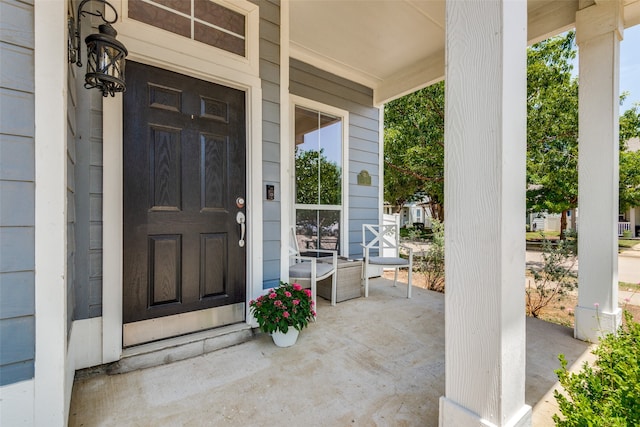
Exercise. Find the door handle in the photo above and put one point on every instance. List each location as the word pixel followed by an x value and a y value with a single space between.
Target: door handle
pixel 240 219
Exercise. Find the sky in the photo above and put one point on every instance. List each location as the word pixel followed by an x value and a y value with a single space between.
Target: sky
pixel 630 66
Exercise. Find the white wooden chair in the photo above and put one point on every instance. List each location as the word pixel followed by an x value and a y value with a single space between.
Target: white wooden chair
pixel 377 241
pixel 312 268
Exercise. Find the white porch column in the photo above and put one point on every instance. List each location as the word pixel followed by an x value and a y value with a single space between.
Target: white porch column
pixel 50 60
pixel 598 33
pixel 485 148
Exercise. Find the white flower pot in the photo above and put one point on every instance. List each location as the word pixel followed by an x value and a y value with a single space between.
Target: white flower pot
pixel 285 340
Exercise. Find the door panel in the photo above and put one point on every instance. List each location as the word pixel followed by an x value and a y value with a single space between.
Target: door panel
pixel 184 166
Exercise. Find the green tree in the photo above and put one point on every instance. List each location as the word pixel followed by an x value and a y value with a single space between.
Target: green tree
pixel 414 148
pixel 552 127
pixel 318 180
pixel 414 138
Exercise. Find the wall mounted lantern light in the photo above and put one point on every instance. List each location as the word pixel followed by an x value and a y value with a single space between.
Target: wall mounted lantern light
pixel 105 54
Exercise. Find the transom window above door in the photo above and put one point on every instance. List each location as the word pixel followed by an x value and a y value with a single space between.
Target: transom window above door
pixel 319 172
pixel 202 20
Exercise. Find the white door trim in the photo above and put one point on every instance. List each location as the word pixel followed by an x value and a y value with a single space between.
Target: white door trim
pixel 148 47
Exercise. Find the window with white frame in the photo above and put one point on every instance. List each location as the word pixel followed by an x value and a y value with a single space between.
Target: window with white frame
pixel 319 176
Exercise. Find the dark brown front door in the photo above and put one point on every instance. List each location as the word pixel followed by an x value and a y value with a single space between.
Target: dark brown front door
pixel 184 172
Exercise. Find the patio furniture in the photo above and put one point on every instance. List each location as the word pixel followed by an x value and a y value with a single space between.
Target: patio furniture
pixel 348 281
pixel 378 240
pixel 312 268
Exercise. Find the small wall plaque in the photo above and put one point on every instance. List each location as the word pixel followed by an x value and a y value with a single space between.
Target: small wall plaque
pixel 364 178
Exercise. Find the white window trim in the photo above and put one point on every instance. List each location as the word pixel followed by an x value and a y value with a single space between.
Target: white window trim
pixel 155 48
pixel 298 101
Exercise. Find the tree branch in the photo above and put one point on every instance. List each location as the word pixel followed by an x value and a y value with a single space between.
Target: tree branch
pixel 411 173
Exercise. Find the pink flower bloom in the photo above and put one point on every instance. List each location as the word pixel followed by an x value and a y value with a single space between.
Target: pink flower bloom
pixel 596 305
pixel 627 299
pixel 260 298
pixel 285 314
pixel 296 287
pixel 313 313
pixel 312 303
pixel 287 294
pixel 308 292
pixel 277 303
pixel 251 302
pixel 272 295
pixel 296 301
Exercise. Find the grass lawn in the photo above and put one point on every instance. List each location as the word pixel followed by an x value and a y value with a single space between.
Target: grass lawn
pixel 536 236
pixel 627 243
pixel 539 235
pixel 631 287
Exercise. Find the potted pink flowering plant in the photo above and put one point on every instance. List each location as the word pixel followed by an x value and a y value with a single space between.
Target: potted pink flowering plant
pixel 284 310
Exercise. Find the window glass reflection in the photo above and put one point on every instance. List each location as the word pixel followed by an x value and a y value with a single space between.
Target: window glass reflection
pixel 318 157
pixel 318 229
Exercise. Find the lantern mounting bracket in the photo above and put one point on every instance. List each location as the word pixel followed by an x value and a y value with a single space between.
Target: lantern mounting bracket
pixel 74 45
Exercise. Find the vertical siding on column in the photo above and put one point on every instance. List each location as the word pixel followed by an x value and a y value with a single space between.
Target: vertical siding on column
pixel 17 193
pixel 312 83
pixel 270 75
pixel 71 193
pixel 88 265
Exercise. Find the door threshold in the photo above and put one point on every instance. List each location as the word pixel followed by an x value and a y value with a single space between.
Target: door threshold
pixel 160 328
pixel 180 348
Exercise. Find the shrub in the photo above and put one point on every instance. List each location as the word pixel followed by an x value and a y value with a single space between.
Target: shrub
pixel 607 394
pixel 431 264
pixel 554 278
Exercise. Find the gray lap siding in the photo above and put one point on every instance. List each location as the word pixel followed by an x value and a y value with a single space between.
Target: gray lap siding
pixel 17 193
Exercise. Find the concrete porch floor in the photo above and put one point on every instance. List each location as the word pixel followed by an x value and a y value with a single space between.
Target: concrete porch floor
pixel 366 362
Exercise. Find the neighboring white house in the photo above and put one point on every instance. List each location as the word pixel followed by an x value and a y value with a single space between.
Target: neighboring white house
pixel 411 213
pixel 543 221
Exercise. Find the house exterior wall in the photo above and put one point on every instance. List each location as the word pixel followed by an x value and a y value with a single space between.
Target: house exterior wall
pixel 270 75
pixel 17 193
pixel 312 83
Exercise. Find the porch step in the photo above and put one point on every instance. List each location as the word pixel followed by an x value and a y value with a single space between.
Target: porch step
pixel 180 348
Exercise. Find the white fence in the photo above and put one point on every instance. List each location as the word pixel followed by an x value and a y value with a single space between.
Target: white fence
pixel 391 219
pixel 622 227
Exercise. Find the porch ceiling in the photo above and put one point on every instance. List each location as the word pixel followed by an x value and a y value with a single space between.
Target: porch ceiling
pixel 397 46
